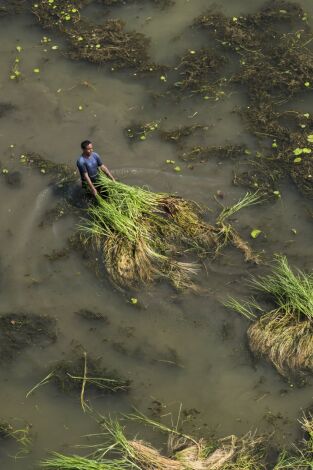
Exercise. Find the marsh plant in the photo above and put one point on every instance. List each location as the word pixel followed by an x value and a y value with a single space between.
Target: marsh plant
pixel 284 332
pixel 142 236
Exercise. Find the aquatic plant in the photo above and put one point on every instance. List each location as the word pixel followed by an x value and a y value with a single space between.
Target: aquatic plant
pixel 275 66
pixel 285 333
pixel 21 435
pixel 203 154
pixel 100 44
pixel 140 235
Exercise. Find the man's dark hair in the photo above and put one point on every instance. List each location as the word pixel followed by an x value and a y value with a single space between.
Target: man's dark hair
pixel 85 143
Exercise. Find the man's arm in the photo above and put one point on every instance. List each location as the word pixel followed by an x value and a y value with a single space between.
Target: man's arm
pixel 91 186
pixel 107 172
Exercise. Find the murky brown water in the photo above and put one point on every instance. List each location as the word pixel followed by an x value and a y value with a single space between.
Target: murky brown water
pixel 214 372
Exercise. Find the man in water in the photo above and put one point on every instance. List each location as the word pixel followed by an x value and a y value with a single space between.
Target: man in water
pixel 89 165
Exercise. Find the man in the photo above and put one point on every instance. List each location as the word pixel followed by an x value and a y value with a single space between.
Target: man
pixel 89 165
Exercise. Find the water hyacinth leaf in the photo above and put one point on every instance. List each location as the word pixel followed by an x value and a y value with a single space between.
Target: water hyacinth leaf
pixel 276 193
pixel 5 171
pixel 297 160
pixel 307 84
pixel 18 48
pixel 310 138
pixel 36 70
pixel 306 115
pixel 306 150
pixel 142 137
pixel 255 233
pixel 298 151
pixel 177 169
pixel 133 300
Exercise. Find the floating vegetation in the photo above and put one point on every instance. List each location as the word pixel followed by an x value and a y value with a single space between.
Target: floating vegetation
pixel 160 3
pixel 62 173
pixel 141 236
pixel 93 316
pixel 140 131
pixel 12 7
pixel 203 154
pixel 276 63
pixel 99 44
pixel 20 330
pixel 184 452
pixel 284 334
pixel 198 74
pixel 82 373
pixel 177 135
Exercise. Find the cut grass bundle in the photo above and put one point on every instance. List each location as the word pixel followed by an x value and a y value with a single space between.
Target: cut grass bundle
pixel 285 334
pixel 120 452
pixel 141 236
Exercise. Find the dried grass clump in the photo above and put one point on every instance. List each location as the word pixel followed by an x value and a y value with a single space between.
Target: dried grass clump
pixel 285 334
pixel 142 236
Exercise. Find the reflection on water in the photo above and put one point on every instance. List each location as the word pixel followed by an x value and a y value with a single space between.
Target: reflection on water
pixel 174 348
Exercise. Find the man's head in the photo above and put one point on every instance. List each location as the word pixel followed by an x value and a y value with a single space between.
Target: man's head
pixel 87 147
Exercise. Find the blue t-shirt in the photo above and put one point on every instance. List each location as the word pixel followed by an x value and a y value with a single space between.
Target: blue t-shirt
pixel 89 165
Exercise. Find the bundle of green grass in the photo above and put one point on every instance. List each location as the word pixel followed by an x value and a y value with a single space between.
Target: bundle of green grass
pixel 143 236
pixel 283 334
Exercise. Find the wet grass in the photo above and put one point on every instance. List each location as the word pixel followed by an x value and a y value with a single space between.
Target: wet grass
pixel 186 452
pixel 284 334
pixel 183 451
pixel 141 236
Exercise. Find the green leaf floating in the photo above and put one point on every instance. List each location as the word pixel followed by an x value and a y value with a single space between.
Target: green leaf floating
pixel 255 233
pixel 310 138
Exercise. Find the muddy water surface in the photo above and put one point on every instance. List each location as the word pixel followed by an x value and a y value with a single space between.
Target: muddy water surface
pixel 175 348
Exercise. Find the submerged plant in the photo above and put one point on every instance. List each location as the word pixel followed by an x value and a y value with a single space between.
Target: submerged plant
pixel 141 236
pixel 21 435
pixel 285 333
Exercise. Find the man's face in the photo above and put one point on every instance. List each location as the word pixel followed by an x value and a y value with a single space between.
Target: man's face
pixel 88 150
